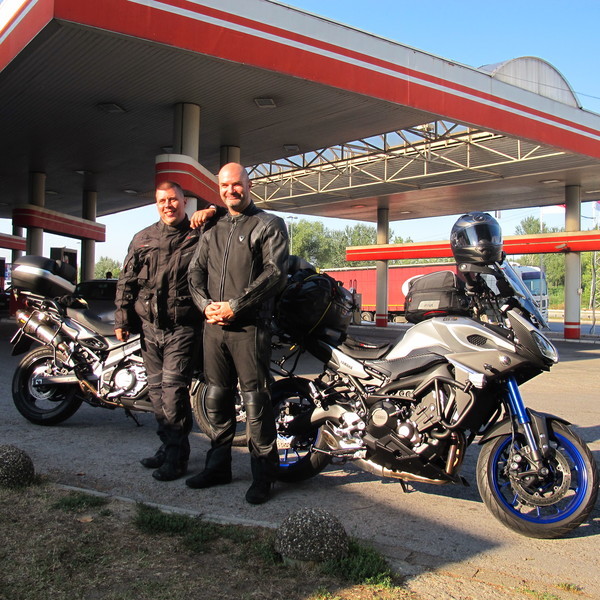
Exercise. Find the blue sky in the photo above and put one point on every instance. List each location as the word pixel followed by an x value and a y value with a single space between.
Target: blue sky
pixel 471 32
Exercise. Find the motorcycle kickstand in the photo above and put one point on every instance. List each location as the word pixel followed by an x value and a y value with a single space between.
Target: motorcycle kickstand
pixel 129 414
pixel 406 488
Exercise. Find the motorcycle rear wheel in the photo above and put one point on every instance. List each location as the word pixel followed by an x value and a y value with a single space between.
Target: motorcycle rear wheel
pixel 299 456
pixel 44 404
pixel 552 507
pixel 197 398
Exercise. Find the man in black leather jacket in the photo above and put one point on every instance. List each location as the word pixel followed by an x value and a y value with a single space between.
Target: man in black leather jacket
pixel 153 288
pixel 239 266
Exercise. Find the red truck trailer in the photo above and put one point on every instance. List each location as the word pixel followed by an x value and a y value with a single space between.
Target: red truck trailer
pixel 363 280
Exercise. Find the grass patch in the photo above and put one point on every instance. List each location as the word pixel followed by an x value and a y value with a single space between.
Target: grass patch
pixel 570 587
pixel 65 545
pixel 80 501
pixel 362 565
pixel 539 595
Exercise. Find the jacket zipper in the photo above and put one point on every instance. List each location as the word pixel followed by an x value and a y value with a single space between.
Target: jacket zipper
pixel 225 259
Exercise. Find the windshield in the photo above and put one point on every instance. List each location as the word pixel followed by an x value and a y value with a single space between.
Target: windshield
pixel 522 293
pixel 536 282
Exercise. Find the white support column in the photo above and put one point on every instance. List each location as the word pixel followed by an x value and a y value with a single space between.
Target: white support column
pixel 573 265
pixel 186 140
pixel 381 301
pixel 37 196
pixel 88 247
pixel 16 254
pixel 186 135
pixel 230 154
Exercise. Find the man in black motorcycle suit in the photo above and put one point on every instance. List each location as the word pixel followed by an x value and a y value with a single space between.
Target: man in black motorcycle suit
pixel 153 286
pixel 239 266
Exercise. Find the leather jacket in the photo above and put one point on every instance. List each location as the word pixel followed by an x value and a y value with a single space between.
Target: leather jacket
pixel 242 259
pixel 153 283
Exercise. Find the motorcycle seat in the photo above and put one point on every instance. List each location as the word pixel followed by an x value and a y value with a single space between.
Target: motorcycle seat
pixel 363 350
pixel 91 320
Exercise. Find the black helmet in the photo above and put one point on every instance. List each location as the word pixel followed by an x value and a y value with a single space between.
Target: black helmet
pixel 476 238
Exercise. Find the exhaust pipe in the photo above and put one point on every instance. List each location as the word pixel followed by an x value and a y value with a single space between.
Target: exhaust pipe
pixel 33 326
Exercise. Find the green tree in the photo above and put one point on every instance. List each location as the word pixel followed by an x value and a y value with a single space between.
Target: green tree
pixel 106 265
pixel 356 235
pixel 310 241
pixel 552 264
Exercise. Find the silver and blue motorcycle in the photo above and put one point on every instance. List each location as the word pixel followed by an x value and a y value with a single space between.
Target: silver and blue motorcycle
pixel 410 409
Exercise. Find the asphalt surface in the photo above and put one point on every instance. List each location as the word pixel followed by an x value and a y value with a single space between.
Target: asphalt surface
pixel 441 538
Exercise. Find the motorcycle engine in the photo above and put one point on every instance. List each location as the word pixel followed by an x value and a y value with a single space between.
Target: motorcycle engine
pixel 127 380
pixel 385 417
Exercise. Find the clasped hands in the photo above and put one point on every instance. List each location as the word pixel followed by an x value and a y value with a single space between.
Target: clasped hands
pixel 219 313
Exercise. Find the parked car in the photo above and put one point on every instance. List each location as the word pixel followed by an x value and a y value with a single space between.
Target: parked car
pixel 100 297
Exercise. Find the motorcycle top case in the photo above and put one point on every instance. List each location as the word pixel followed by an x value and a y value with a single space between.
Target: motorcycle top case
pixel 312 305
pixel 435 295
pixel 42 276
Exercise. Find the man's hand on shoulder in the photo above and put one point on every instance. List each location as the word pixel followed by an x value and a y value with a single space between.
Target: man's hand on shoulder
pixel 202 216
pixel 122 334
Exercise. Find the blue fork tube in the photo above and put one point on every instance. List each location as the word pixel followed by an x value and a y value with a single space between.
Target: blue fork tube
pixel 517 408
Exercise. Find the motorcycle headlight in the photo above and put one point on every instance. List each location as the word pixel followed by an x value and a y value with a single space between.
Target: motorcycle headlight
pixel 545 346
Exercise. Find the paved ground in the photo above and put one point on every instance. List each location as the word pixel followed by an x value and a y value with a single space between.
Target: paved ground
pixel 441 538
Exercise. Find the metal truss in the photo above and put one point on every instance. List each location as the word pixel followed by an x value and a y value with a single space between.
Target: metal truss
pixel 413 158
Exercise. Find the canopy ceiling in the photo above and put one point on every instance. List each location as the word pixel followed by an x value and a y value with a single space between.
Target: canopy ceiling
pixel 87 92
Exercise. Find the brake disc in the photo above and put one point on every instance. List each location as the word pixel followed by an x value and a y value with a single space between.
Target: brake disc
pixel 546 495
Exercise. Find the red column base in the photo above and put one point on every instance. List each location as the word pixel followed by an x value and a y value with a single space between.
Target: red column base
pixel 381 320
pixel 572 330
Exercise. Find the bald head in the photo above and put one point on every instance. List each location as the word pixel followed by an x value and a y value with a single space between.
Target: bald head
pixel 234 187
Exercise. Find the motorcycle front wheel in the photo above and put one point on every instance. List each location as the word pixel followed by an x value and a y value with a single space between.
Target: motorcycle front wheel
pixel 197 397
pixel 44 404
pixel 298 442
pixel 546 506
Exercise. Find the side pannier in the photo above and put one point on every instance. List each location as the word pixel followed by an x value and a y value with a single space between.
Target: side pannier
pixel 313 305
pixel 436 295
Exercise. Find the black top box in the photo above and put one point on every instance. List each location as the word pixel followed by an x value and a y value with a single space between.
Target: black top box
pixel 42 276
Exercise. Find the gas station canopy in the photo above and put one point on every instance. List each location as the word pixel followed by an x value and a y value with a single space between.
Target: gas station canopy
pixel 332 121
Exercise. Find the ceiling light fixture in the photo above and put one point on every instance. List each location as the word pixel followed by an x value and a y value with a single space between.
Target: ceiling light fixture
pixel 265 102
pixel 551 181
pixel 291 147
pixel 130 192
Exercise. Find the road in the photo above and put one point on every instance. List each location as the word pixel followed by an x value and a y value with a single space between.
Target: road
pixel 442 539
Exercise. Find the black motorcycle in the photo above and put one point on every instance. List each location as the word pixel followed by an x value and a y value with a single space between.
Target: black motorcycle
pixel 77 357
pixel 79 360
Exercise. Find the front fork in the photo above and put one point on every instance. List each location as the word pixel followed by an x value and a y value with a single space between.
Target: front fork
pixel 518 410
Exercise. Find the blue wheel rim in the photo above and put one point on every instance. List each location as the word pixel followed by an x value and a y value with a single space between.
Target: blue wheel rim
pixel 539 514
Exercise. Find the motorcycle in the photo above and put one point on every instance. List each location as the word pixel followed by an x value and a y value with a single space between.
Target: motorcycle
pixel 410 409
pixel 80 358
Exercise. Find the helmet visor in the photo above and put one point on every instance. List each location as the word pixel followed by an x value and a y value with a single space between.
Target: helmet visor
pixel 480 233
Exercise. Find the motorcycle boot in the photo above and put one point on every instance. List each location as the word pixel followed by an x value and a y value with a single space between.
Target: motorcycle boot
pixel 177 452
pixel 220 412
pixel 262 443
pixel 262 481
pixel 156 461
